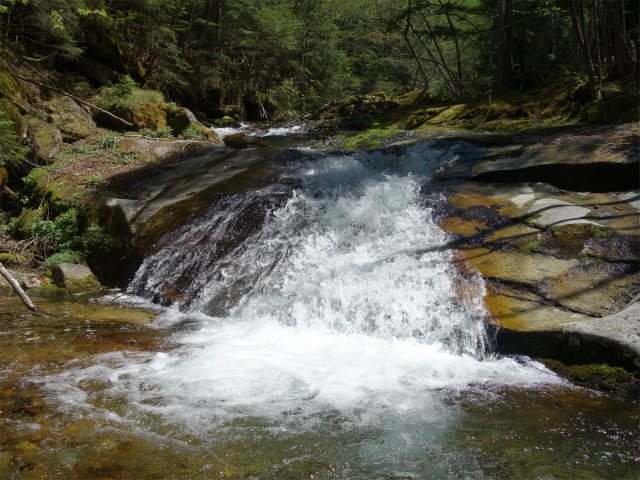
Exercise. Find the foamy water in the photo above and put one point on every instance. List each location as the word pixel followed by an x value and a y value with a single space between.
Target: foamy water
pixel 350 304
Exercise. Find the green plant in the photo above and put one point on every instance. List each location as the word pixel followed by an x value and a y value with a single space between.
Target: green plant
pixel 93 181
pixel 67 256
pixel 172 107
pixel 166 132
pixel 193 132
pixel 7 138
pixel 125 86
pixel 108 142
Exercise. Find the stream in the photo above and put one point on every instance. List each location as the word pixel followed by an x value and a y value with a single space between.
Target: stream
pixel 314 327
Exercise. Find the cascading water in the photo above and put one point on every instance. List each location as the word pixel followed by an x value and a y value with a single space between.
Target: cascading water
pixel 319 320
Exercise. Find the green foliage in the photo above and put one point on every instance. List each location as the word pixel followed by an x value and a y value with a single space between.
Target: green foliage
pixel 108 142
pixel 94 181
pixel 66 256
pixel 126 86
pixel 7 139
pixel 193 132
pixel 166 132
pixel 66 234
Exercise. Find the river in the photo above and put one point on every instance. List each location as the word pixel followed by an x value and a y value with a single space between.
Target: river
pixel 313 328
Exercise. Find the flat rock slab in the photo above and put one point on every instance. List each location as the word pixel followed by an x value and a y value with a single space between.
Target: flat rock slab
pixel 622 327
pixel 551 212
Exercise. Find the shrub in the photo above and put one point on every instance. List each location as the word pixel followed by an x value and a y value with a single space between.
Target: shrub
pixel 67 256
pixel 193 132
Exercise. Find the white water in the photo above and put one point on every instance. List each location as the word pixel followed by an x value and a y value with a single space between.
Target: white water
pixel 247 129
pixel 351 306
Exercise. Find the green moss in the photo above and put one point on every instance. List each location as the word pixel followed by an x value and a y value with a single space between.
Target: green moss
pixel 529 247
pixel 12 259
pixel 531 220
pixel 600 377
pixel 370 138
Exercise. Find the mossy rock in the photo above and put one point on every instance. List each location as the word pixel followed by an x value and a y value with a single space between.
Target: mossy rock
pixel 237 141
pixel 74 278
pixel 10 259
pixel 45 140
pixel 18 122
pixel 130 107
pixel 416 97
pixel 599 377
pixel 180 119
pixel 74 121
pixel 10 87
pixel 149 115
pixel 615 108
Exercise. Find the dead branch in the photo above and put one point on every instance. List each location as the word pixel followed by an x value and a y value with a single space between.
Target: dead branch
pixel 79 100
pixel 16 286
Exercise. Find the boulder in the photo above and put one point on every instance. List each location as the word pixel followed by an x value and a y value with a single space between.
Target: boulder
pixel 12 112
pixel 74 277
pixel 96 71
pixel 151 115
pixel 237 141
pixel 45 140
pixel 73 120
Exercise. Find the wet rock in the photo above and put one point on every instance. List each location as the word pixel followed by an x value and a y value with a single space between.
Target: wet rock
pixel 45 140
pixel 73 120
pixel 237 141
pixel 74 277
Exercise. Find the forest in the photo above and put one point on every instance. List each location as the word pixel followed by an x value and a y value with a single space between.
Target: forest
pixel 275 55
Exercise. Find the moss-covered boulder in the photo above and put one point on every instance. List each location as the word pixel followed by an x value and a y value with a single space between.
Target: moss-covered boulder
pixel 11 259
pixel 74 121
pixel 75 278
pixel 237 141
pixel 148 115
pixel 45 141
pixel 14 115
pixel 10 88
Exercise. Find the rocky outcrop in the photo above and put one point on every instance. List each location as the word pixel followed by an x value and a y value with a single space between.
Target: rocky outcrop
pixel 73 121
pixel 45 140
pixel 558 263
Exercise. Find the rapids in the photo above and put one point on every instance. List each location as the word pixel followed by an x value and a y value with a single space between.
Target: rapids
pixel 319 328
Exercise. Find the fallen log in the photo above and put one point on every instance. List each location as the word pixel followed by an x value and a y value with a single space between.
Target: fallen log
pixel 79 100
pixel 16 286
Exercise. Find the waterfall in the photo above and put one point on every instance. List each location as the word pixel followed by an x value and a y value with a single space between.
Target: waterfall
pixel 349 247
